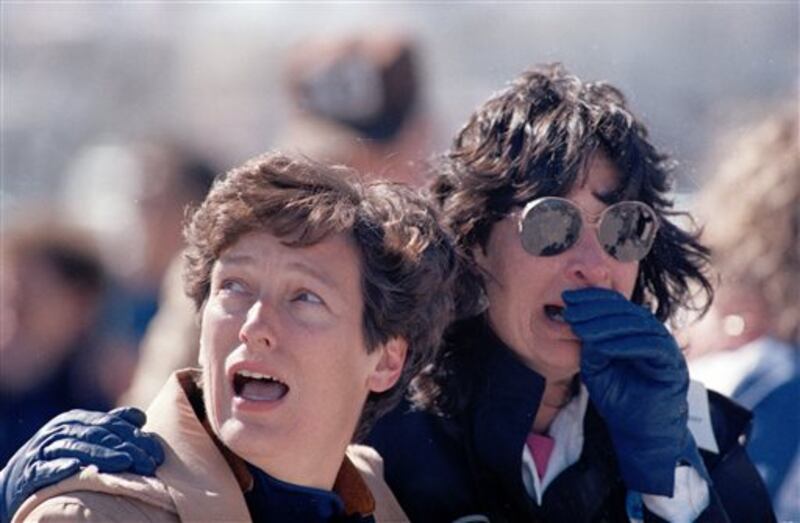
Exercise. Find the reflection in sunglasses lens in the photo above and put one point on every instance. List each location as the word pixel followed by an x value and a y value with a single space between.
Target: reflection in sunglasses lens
pixel 627 231
pixel 550 227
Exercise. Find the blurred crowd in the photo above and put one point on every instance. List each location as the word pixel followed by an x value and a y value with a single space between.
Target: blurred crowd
pixel 92 312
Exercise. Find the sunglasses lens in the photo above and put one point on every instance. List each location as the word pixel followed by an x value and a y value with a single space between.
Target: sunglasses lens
pixel 627 230
pixel 549 226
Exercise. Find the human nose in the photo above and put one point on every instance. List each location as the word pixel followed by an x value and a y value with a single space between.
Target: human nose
pixel 588 263
pixel 257 330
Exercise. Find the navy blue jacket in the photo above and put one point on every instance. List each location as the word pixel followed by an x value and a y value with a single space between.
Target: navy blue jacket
pixel 469 461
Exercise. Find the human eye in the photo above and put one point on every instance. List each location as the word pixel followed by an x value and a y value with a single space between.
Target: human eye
pixel 232 286
pixel 309 297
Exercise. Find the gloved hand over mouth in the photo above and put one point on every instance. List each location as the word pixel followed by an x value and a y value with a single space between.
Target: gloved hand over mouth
pixel 637 379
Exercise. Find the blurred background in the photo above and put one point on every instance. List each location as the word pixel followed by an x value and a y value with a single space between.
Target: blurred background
pixel 213 74
pixel 117 115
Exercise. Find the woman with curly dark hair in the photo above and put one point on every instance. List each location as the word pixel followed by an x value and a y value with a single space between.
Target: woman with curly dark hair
pixel 566 398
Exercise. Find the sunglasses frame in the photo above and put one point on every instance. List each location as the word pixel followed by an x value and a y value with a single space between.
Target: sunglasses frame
pixel 594 220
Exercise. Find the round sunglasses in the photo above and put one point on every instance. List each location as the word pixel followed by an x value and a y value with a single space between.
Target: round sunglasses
pixel 551 225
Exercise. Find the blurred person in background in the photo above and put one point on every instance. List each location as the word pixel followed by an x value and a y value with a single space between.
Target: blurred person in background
pixel 133 198
pixel 51 287
pixel 748 345
pixel 169 344
pixel 357 101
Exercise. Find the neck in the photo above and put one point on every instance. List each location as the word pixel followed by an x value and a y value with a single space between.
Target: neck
pixel 321 474
pixel 556 395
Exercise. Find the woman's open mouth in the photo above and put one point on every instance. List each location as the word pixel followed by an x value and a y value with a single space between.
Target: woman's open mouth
pixel 554 312
pixel 255 386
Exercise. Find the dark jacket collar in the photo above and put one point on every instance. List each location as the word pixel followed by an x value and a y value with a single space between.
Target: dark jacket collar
pixel 505 397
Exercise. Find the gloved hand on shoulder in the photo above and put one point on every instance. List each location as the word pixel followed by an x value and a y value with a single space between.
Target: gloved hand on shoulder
pixel 111 441
pixel 637 379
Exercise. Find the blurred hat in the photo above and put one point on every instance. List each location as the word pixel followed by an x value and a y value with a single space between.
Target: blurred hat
pixel 367 82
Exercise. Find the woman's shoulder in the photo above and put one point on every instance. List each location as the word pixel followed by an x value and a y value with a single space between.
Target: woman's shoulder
pixel 425 462
pixel 95 496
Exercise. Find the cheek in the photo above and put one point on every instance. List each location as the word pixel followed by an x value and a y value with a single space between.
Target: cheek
pixel 625 278
pixel 220 326
pixel 505 265
pixel 218 338
pixel 341 369
pixel 219 335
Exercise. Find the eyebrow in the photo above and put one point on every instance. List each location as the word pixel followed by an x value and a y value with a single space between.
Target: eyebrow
pixel 315 274
pixel 236 259
pixel 609 197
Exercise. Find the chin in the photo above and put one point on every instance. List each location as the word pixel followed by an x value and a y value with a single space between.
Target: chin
pixel 572 366
pixel 235 431
pixel 246 440
pixel 232 431
pixel 568 360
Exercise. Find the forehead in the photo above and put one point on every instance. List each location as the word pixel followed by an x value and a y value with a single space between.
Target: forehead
pixel 599 177
pixel 333 260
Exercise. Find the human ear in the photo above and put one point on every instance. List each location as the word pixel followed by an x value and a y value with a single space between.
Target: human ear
pixel 389 367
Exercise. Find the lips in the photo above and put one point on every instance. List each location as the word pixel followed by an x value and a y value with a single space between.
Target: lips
pixel 256 386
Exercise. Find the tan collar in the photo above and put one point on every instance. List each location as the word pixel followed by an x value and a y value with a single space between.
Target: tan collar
pixel 200 468
pixel 350 486
pixel 198 478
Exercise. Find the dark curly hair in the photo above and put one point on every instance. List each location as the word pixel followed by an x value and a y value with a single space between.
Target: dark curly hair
pixel 534 139
pixel 408 262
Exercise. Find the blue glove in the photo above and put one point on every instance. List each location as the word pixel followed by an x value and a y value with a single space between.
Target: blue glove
pixel 637 379
pixel 112 442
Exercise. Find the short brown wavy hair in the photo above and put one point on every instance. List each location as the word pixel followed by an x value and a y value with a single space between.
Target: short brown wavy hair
pixel 534 139
pixel 408 260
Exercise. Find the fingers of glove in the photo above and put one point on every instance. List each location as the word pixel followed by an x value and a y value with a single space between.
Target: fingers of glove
pixel 131 434
pixel 148 443
pixel 63 424
pixel 112 432
pixel 647 355
pixel 121 421
pixel 132 415
pixel 618 326
pixel 142 442
pixel 142 463
pixel 588 310
pixel 44 473
pixel 106 459
pixel 94 438
pixel 574 297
